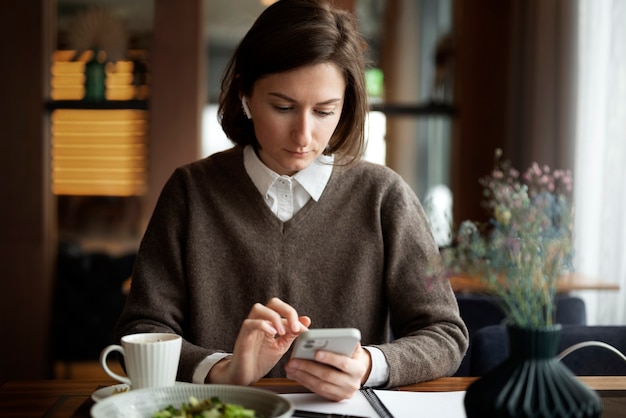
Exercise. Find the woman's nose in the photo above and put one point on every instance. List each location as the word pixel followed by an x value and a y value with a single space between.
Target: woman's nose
pixel 302 130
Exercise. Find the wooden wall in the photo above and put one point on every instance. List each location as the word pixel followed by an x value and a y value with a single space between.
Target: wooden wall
pixel 27 237
pixel 481 90
pixel 178 91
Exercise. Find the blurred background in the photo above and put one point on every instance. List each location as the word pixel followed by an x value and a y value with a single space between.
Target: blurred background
pixel 102 99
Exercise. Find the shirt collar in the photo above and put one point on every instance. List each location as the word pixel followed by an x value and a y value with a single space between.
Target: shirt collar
pixel 313 179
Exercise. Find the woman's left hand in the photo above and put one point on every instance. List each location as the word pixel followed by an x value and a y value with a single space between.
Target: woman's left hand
pixel 333 376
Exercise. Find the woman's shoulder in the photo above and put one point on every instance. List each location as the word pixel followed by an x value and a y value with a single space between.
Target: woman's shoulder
pixel 222 167
pixel 375 182
pixel 222 161
pixel 371 172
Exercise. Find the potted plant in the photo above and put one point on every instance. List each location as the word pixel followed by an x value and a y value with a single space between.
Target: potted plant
pixel 520 254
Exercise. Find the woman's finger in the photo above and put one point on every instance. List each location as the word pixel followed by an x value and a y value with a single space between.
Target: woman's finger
pixel 323 379
pixel 263 312
pixel 282 315
pixel 263 325
pixel 287 312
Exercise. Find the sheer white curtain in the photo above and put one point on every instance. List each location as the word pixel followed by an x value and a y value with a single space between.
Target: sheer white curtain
pixel 600 168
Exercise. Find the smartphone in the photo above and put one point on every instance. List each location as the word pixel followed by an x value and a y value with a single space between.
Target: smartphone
pixel 336 340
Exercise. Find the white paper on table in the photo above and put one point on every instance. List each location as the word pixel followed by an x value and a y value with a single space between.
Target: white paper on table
pixel 404 404
pixel 401 404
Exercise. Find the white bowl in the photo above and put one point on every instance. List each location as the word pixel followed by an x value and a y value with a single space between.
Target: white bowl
pixel 142 403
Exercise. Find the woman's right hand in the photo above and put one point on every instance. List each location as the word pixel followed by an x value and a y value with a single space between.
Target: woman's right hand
pixel 265 336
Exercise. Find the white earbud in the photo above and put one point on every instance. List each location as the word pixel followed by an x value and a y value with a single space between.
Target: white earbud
pixel 246 108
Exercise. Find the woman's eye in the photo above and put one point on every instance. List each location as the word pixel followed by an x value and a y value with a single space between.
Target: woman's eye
pixel 286 109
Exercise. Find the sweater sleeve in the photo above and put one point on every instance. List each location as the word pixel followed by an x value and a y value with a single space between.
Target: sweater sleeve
pixel 430 336
pixel 157 301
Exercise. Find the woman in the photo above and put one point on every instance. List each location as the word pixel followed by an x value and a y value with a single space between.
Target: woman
pixel 289 229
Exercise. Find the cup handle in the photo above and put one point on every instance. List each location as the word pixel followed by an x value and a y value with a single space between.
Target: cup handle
pixel 103 362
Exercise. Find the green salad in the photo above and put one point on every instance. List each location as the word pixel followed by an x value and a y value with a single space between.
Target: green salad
pixel 207 408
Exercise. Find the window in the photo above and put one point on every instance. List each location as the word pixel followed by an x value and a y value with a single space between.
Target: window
pixel 601 155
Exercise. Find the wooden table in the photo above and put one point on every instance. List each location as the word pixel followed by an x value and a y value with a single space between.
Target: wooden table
pixel 71 398
pixel 566 284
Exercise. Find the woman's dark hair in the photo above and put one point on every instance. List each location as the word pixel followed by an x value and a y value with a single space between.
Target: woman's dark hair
pixel 290 34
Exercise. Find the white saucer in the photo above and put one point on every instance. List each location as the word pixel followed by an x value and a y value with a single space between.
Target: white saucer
pixel 107 391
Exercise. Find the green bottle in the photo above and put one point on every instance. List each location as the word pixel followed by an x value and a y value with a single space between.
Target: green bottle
pixel 95 77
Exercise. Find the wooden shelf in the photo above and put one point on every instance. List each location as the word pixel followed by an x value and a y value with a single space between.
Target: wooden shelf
pixel 568 283
pixel 104 105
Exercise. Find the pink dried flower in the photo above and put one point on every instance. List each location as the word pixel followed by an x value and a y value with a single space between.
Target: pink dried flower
pixel 527 243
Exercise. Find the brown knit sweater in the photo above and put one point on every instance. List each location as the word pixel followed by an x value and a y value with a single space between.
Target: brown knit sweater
pixel 356 258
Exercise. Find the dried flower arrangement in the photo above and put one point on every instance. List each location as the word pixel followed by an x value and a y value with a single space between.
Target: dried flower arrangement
pixel 526 245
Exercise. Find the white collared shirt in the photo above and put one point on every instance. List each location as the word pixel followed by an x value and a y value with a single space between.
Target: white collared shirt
pixel 285 196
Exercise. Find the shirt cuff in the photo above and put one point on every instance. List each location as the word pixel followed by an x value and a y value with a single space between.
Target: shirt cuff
pixel 379 375
pixel 204 367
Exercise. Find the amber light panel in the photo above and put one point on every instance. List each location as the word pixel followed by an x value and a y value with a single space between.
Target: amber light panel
pixel 99 152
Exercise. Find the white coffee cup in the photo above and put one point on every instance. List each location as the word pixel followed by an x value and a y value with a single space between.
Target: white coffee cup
pixel 151 359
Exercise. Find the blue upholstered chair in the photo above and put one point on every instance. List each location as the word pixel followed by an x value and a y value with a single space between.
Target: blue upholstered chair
pixel 490 346
pixel 479 311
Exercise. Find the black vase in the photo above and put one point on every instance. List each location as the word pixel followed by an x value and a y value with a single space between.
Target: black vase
pixel 531 382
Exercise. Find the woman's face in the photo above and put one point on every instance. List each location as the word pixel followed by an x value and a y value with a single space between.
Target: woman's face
pixel 295 113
